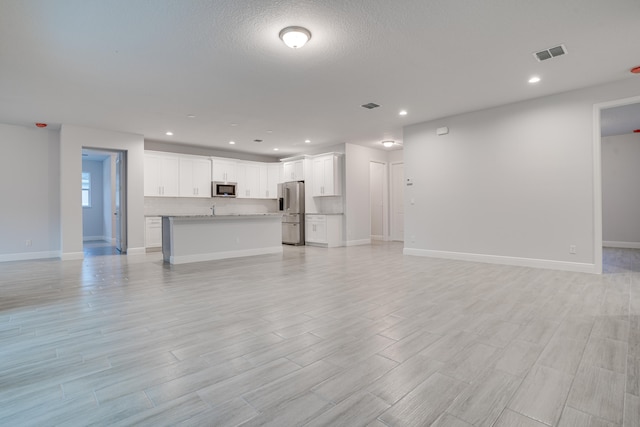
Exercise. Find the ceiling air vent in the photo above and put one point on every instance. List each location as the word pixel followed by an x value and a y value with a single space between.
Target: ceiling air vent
pixel 552 52
pixel 370 106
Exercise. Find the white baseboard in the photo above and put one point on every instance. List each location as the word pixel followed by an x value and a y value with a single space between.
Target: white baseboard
pixel 358 242
pixel 136 251
pixel 99 238
pixel 25 256
pixel 622 245
pixel 379 238
pixel 505 260
pixel 70 256
pixel 183 259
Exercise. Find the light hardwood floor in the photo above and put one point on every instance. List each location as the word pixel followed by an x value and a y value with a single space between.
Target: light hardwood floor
pixel 342 337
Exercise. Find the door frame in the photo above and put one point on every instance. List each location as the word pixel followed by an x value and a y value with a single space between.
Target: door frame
pixel 597 174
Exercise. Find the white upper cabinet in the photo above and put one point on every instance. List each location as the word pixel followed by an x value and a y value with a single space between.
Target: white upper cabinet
pixel 273 175
pixel 248 174
pixel 223 170
pixel 327 175
pixel 195 177
pixel 161 175
pixel 293 170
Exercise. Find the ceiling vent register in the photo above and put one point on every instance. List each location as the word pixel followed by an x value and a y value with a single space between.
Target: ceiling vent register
pixel 552 52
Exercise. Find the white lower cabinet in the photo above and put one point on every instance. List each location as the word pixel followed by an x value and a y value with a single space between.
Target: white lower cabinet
pixel 323 230
pixel 153 232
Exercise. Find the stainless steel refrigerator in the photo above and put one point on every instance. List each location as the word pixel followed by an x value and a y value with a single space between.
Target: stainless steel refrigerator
pixel 292 206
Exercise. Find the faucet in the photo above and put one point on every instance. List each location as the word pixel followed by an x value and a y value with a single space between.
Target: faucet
pixel 213 210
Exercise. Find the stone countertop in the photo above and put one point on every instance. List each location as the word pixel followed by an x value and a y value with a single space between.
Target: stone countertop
pixel 318 213
pixel 223 216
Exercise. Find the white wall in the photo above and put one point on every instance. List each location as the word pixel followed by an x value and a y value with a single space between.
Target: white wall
pixel 29 193
pixel 93 216
pixel 72 139
pixel 512 184
pixel 620 194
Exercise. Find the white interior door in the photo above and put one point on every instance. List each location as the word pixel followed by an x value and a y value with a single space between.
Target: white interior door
pixel 376 188
pixel 397 202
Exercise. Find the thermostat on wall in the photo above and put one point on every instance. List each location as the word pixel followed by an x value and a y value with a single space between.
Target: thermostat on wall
pixel 409 182
pixel 442 131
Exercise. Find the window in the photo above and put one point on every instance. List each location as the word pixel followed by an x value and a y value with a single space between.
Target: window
pixel 86 190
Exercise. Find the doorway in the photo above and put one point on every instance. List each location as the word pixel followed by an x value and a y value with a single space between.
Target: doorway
pixel 103 202
pixel 377 172
pixel 620 155
pixel 600 122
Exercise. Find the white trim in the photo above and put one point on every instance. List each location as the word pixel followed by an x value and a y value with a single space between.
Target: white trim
pixel 358 242
pixel 94 238
pixel 597 175
pixel 623 245
pixel 505 260
pixel 136 251
pixel 71 256
pixel 24 256
pixel 378 237
pixel 183 259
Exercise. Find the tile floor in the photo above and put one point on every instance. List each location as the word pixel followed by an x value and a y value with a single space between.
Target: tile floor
pixel 359 336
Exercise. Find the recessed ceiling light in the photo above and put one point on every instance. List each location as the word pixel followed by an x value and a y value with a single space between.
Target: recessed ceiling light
pixel 191 116
pixel 275 149
pixel 232 142
pixel 307 141
pixel 534 79
pixel 169 133
pixel 295 37
pixel 403 112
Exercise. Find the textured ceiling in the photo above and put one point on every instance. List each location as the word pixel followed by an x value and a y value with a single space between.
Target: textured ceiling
pixel 142 66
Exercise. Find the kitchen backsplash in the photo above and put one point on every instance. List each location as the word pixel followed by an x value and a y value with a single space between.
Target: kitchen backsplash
pixel 328 205
pixel 194 206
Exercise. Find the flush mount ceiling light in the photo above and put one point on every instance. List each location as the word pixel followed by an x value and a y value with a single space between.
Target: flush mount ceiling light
pixel 169 133
pixel 307 141
pixel 402 113
pixel 232 142
pixel 388 144
pixel 534 79
pixel 295 37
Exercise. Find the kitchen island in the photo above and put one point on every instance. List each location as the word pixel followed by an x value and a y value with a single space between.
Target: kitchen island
pixel 195 238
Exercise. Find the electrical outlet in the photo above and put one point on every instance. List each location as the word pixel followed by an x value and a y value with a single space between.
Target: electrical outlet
pixel 27 242
pixel 572 249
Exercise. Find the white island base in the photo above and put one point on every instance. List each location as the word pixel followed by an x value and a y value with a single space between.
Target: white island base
pixel 204 238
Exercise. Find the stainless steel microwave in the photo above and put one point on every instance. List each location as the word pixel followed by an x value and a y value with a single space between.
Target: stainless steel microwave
pixel 223 189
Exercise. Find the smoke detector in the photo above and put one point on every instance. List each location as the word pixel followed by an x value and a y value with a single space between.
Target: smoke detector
pixel 370 106
pixel 552 52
